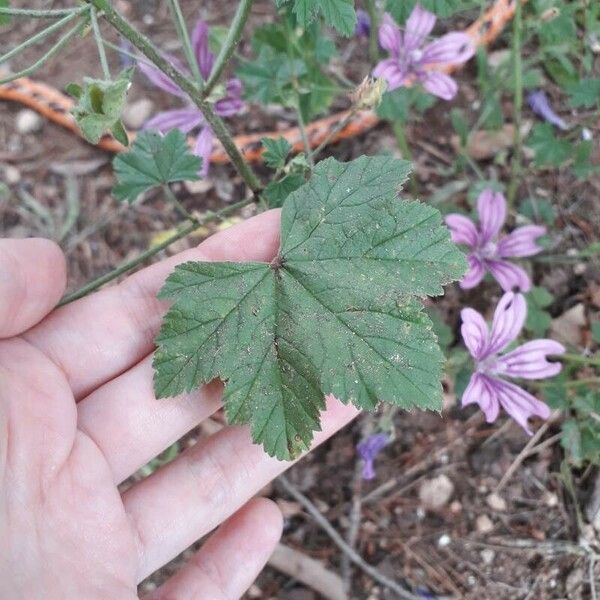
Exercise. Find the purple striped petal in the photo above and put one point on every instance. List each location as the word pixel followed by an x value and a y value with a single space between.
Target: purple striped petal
pixel 521 242
pixel 203 148
pixel 390 36
pixel 491 207
pixel 234 88
pixel 453 47
pixel 363 23
pixel 519 404
pixel 203 54
pixel 160 80
pixel 228 106
pixel 462 230
pixel 509 276
pixel 418 26
pixel 368 450
pixel 481 390
pixel 439 84
pixel 529 360
pixel 185 119
pixel 390 70
pixel 474 332
pixel 475 273
pixel 540 105
pixel 509 318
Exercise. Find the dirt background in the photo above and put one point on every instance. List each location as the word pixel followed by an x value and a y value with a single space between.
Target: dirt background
pixel 430 519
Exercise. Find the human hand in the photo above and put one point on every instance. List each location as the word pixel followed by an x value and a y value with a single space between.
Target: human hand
pixel 78 416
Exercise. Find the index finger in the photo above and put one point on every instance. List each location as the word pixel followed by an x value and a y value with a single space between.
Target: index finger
pixel 102 335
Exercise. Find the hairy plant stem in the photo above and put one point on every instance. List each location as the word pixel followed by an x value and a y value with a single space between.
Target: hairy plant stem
pixel 184 37
pixel 181 232
pixel 231 41
pixel 517 104
pixel 340 125
pixel 373 30
pixel 304 136
pixel 43 33
pixel 400 135
pixel 44 59
pixel 172 198
pixel 147 48
pixel 581 359
pixel 99 43
pixel 37 14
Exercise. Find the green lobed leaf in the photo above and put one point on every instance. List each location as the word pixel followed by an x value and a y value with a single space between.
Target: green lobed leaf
pixel 549 150
pixel 277 191
pixel 334 313
pixel 585 93
pixel 538 320
pixel 154 160
pixel 276 152
pixel 339 14
pixel 3 18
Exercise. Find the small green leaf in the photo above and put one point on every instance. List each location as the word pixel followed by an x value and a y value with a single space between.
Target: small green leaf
pixel 538 209
pixel 119 133
pixel 596 331
pixel 339 14
pixel 277 191
pixel 154 160
pixel 571 441
pixel 549 150
pixel 401 9
pixel 538 320
pixel 585 93
pixel 3 18
pixel 336 312
pixel 276 152
pixel 100 104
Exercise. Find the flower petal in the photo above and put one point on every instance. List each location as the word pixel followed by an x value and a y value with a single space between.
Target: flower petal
pixel 390 70
pixel 203 149
pixel 521 242
pixel 475 273
pixel 474 331
pixel 529 360
pixel 481 390
pixel 418 26
pixel 160 80
pixel 462 229
pixel 232 103
pixel 390 36
pixel 202 52
pixel 185 119
pixel 519 404
pixel 509 276
pixel 540 105
pixel 439 84
pixel 491 207
pixel 454 47
pixel 509 318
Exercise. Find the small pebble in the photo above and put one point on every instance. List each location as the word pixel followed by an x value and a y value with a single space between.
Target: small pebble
pixel 444 540
pixel 484 524
pixel 12 175
pixel 496 502
pixel 137 113
pixel 436 492
pixel 487 556
pixel 28 121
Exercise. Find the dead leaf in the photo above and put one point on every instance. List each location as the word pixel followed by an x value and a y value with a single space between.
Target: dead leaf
pixel 568 327
pixel 485 144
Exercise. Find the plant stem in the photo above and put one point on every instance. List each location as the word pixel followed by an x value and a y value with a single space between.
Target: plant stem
pixel 340 125
pixel 184 37
pixel 304 136
pixel 572 383
pixel 173 199
pixel 181 232
pixel 131 55
pixel 99 44
pixel 37 14
pixel 54 50
pixel 144 45
pixel 42 34
pixel 231 41
pixel 517 104
pixel 399 133
pixel 373 30
pixel 581 359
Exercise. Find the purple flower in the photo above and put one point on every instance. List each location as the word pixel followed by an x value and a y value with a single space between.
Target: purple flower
pixel 540 105
pixel 487 387
pixel 363 23
pixel 488 250
pixel 368 449
pixel 412 59
pixel 190 118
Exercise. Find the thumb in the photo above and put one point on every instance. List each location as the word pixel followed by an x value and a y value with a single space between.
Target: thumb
pixel 32 280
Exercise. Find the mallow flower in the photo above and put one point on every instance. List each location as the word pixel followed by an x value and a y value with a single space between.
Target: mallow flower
pixel 189 118
pixel 540 105
pixel 363 23
pixel 368 449
pixel 488 250
pixel 488 386
pixel 413 59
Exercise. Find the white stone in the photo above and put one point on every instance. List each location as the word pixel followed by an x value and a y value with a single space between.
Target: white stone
pixel 28 121
pixel 435 493
pixel 496 502
pixel 12 175
pixel 137 113
pixel 487 556
pixel 484 524
pixel 444 540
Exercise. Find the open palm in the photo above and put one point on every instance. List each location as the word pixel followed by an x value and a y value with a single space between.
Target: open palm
pixel 78 416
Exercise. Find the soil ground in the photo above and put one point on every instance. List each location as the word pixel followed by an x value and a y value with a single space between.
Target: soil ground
pixel 526 546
